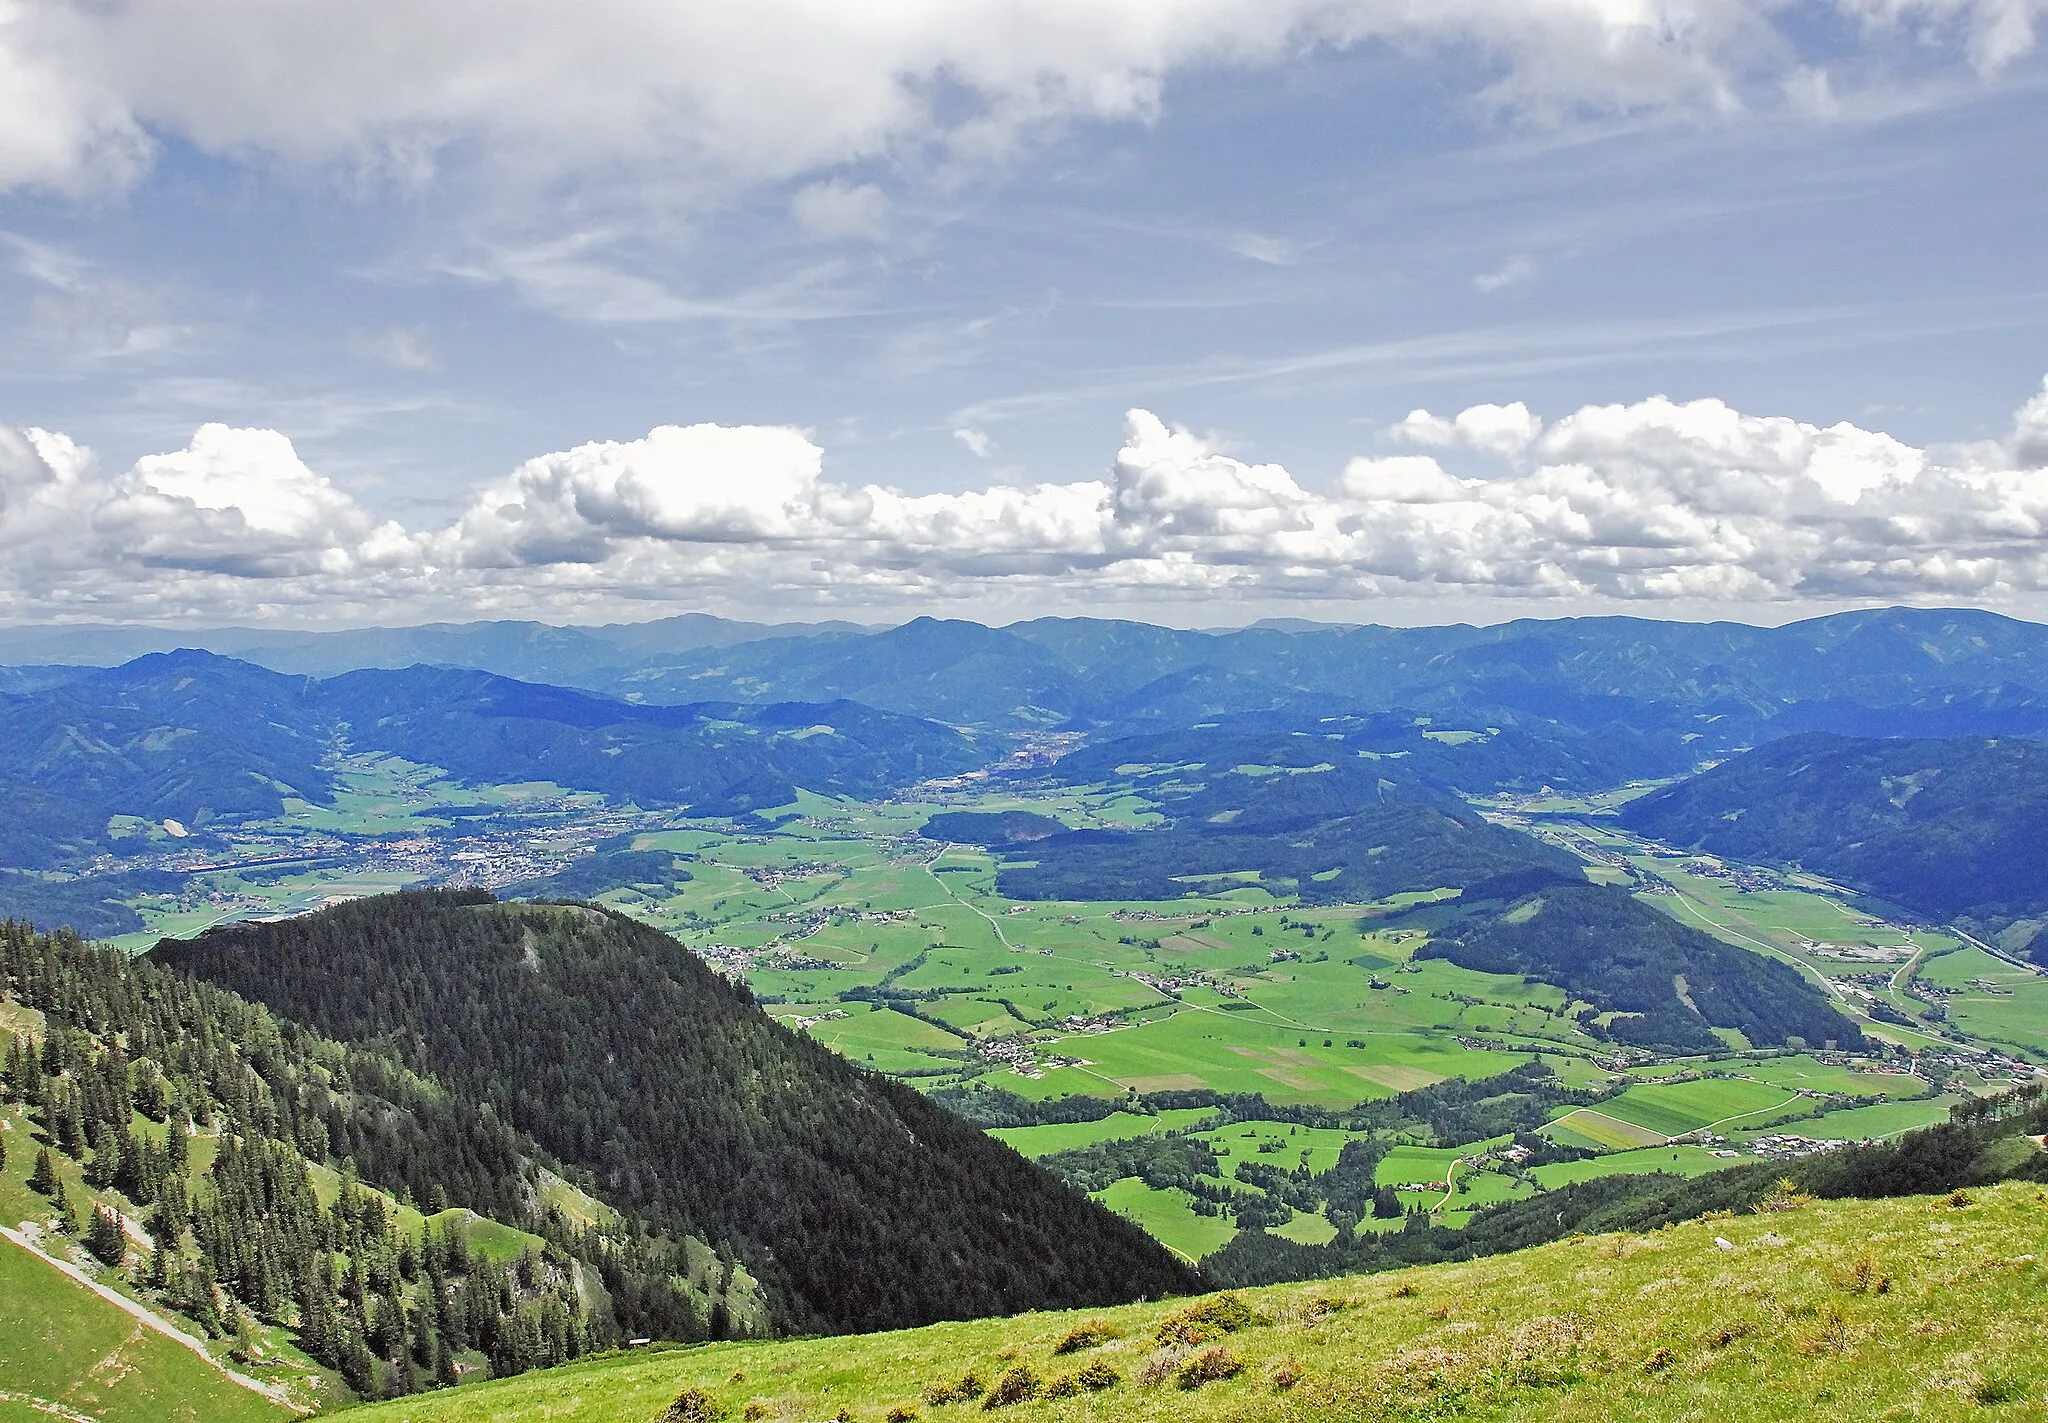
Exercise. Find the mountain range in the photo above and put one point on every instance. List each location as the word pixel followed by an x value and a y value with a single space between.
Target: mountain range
pixel 1894 671
pixel 201 739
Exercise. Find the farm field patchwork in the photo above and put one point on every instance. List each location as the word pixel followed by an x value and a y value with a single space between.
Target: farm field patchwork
pixel 899 953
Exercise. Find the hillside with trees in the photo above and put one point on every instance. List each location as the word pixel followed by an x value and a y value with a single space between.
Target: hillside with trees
pixel 1331 833
pixel 209 742
pixel 1666 985
pixel 1950 829
pixel 856 1202
pixel 404 1234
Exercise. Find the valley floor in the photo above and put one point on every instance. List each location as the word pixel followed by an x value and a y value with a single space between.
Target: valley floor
pixel 1923 1308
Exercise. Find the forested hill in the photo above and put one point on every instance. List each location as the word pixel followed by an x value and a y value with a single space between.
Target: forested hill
pixel 859 1204
pixel 206 741
pixel 319 1186
pixel 1667 984
pixel 1334 832
pixel 1952 828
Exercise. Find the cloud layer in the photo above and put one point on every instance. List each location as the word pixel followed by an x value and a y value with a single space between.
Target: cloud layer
pixel 1648 502
pixel 782 88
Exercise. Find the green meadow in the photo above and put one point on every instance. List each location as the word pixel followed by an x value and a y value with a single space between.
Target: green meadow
pixel 66 1353
pixel 1754 1319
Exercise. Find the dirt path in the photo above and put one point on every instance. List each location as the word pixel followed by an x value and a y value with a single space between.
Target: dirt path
pixel 1450 1184
pixel 150 1319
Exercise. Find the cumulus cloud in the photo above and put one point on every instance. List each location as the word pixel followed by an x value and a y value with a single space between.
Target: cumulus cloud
pixel 790 88
pixel 1497 429
pixel 1648 501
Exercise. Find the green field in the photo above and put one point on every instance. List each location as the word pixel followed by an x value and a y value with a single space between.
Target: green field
pixel 1992 1000
pixel 1657 1328
pixel 1882 1119
pixel 1591 1127
pixel 1678 1160
pixel 1169 1218
pixel 66 1352
pixel 1117 1126
pixel 1674 1108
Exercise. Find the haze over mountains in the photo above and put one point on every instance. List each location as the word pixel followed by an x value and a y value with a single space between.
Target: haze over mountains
pixel 193 737
pixel 1880 672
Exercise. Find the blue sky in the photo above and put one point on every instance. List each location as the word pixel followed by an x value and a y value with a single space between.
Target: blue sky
pixel 939 252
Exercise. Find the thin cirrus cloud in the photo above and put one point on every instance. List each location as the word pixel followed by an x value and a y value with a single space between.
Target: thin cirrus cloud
pixel 1651 501
pixel 89 94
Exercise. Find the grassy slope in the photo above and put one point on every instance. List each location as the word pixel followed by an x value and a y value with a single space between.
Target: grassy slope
pixel 1786 1322
pixel 62 1345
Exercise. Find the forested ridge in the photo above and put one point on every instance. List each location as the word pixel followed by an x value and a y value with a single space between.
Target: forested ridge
pixel 1666 984
pixel 858 1203
pixel 1329 834
pixel 138 1068
pixel 1951 829
pixel 208 741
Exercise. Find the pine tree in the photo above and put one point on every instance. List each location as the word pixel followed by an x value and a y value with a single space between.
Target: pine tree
pixel 106 1240
pixel 43 1180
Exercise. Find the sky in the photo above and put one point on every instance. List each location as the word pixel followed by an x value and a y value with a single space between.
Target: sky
pixel 1192 310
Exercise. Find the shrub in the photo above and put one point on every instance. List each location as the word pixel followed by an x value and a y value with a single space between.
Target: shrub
pixel 1286 1374
pixel 1018 1385
pixel 965 1389
pixel 1160 1367
pixel 1065 1386
pixel 694 1405
pixel 1787 1197
pixel 1098 1376
pixel 1208 1366
pixel 1198 1323
pixel 1086 1336
pixel 1862 1277
pixel 902 1413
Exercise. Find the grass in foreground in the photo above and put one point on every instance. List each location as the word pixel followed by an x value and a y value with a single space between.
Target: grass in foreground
pixel 65 1352
pixel 1925 1308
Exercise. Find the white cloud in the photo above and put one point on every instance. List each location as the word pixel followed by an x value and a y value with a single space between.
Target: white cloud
pixel 1511 273
pixel 2029 441
pixel 783 89
pixel 977 441
pixel 1651 501
pixel 403 348
pixel 838 210
pixel 1497 429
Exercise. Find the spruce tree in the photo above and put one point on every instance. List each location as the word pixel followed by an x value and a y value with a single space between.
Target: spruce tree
pixel 43 1180
pixel 106 1240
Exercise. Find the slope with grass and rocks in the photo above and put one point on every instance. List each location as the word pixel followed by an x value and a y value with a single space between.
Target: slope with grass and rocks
pixel 1923 1307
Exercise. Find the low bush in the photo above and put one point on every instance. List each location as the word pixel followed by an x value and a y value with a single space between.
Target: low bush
pixel 1208 1319
pixel 1018 1385
pixel 1208 1366
pixel 1094 1333
pixel 693 1405
pixel 964 1389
